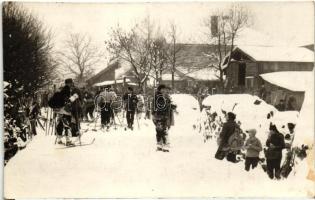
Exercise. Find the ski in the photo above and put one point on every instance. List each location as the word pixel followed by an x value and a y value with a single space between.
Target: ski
pixel 78 145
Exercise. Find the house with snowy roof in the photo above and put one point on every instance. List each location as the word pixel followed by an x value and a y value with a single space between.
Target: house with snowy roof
pixel 117 73
pixel 193 68
pixel 249 64
pixel 289 86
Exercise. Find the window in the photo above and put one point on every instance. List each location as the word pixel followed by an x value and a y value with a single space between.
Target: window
pixel 249 83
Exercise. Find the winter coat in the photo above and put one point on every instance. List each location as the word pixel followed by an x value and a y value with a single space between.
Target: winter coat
pixel 277 140
pixel 74 107
pixel 161 105
pixel 108 96
pixel 253 146
pixel 162 108
pixel 227 131
pixel 88 99
pixel 130 101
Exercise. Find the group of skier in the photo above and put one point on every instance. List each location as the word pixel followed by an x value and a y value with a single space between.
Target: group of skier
pixel 67 104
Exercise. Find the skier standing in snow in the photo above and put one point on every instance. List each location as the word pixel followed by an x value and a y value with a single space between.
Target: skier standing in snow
pixel 275 144
pixel 69 114
pixel 107 97
pixel 89 106
pixel 162 116
pixel 130 102
pixel 253 147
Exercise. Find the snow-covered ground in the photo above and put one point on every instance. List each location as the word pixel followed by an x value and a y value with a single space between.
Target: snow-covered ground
pixel 125 164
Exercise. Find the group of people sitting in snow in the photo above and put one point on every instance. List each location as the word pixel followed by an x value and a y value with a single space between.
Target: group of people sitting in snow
pixel 233 142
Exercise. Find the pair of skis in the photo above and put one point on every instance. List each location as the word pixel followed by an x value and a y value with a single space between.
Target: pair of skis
pixel 78 145
pixel 79 139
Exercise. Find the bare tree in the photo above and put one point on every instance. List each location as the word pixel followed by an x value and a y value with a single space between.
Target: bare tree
pixel 223 28
pixel 174 49
pixel 79 56
pixel 159 55
pixel 134 47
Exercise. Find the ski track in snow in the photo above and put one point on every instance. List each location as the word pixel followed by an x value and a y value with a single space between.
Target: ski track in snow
pixel 125 164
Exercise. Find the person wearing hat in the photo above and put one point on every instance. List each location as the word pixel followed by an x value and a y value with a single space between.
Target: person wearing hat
pixel 130 104
pixel 253 147
pixel 275 144
pixel 223 140
pixel 69 115
pixel 227 129
pixel 161 116
pixel 107 97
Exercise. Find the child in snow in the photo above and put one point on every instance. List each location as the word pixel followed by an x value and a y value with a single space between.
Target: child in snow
pixel 253 147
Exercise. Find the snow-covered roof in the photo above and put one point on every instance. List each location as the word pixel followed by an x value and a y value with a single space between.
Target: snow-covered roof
pixel 206 74
pixel 181 73
pixel 168 77
pixel 122 69
pixel 277 53
pixel 111 82
pixel 296 81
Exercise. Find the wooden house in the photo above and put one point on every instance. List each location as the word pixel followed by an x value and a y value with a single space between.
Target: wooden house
pixel 248 62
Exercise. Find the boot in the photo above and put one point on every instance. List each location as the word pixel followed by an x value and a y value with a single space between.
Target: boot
pixel 68 142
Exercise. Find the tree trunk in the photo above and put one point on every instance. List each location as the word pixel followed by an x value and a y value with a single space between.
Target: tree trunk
pixel 173 77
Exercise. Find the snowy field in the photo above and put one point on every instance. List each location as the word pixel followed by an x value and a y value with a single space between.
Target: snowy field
pixel 125 164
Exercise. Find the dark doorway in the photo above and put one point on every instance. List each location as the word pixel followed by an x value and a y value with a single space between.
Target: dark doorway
pixel 241 74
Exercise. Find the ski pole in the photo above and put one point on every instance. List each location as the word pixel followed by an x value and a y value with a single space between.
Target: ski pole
pixel 116 115
pixel 138 121
pixel 96 118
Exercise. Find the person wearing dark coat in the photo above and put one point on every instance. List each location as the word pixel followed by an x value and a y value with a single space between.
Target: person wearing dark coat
pixel 89 106
pixel 162 109
pixel 69 119
pixel 275 144
pixel 107 97
pixel 131 101
pixel 228 129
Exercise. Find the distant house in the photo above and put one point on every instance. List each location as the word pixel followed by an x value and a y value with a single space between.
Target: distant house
pixel 248 62
pixel 113 74
pixel 289 86
pixel 193 68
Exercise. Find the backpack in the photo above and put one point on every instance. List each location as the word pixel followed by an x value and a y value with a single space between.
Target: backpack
pixel 56 101
pixel 236 140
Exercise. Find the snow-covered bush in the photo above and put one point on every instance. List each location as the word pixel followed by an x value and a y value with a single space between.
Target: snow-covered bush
pixel 251 112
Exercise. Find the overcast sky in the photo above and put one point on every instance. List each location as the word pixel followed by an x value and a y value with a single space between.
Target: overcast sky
pixel 288 23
